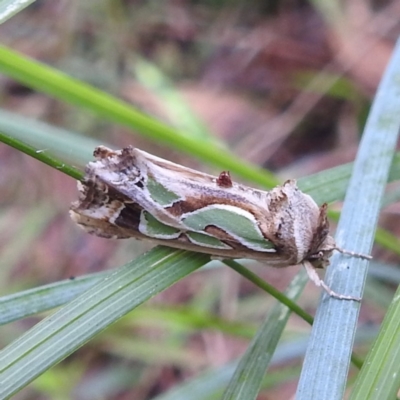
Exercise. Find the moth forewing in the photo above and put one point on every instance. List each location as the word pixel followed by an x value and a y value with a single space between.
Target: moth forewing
pixel 130 193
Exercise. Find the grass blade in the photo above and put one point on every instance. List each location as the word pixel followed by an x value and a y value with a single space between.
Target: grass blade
pixel 248 376
pixel 380 376
pixel 63 87
pixel 33 301
pixel 60 334
pixel 327 359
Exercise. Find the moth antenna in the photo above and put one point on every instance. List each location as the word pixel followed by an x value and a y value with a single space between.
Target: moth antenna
pixel 353 254
pixel 314 277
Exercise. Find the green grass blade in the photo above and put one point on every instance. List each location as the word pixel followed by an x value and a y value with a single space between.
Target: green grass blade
pixel 29 302
pixel 60 334
pixel 63 87
pixel 22 237
pixel 41 156
pixel 69 146
pixel 281 297
pixel 380 376
pixel 210 384
pixel 388 240
pixel 325 186
pixel 175 104
pixel 247 379
pixel 316 186
pixel 327 359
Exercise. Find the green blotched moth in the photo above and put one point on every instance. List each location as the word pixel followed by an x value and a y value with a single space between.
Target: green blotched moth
pixel 130 193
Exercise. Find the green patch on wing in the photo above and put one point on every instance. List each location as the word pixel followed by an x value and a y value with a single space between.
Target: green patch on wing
pixel 152 227
pixel 241 227
pixel 206 241
pixel 159 193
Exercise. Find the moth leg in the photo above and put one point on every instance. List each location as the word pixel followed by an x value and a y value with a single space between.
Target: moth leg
pixel 353 254
pixel 314 277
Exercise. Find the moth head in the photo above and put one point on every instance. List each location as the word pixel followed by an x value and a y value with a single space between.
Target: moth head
pixel 319 258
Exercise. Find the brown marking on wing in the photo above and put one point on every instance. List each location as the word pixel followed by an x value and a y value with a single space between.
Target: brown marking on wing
pixel 99 227
pixel 95 195
pixel 191 204
pixel 129 217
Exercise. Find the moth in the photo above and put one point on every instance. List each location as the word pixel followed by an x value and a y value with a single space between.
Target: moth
pixel 132 194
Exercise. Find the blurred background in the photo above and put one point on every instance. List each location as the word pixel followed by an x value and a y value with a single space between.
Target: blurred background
pixel 285 84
